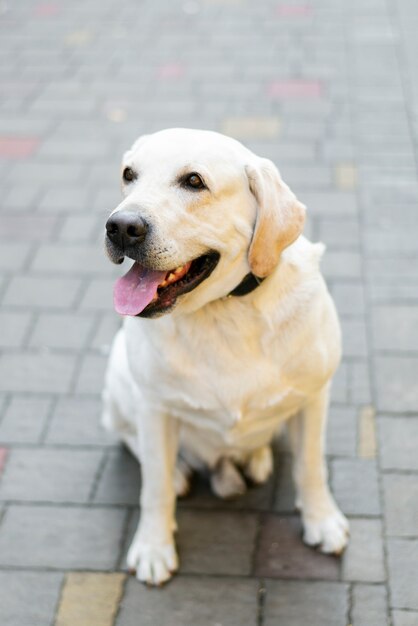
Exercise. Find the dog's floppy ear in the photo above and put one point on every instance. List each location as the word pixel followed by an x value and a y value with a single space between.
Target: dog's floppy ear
pixel 280 217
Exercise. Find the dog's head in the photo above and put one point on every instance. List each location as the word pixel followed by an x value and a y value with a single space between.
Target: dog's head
pixel 199 212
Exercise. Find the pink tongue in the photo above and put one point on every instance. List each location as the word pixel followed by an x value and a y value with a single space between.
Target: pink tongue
pixel 136 289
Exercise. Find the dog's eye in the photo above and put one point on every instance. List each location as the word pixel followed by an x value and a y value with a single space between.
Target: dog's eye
pixel 128 175
pixel 194 181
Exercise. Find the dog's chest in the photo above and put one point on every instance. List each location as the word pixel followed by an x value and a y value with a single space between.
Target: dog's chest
pixel 235 388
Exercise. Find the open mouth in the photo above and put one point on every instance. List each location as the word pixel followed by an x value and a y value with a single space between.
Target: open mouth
pixel 147 293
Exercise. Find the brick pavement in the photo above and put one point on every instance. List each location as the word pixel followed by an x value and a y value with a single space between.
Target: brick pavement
pixel 325 88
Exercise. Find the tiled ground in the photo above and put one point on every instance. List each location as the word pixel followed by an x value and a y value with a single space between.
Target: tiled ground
pixel 329 90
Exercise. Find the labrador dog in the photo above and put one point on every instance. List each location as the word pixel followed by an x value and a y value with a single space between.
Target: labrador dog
pixel 229 332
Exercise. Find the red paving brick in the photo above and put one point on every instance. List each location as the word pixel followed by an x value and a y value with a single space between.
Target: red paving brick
pixel 3 458
pixel 287 89
pixel 17 147
pixel 290 10
pixel 282 554
pixel 171 71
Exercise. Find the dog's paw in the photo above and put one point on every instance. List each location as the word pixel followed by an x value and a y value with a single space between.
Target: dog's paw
pixel 226 480
pixel 260 465
pixel 330 533
pixel 153 564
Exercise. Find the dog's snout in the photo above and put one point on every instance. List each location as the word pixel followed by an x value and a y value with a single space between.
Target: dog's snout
pixel 126 229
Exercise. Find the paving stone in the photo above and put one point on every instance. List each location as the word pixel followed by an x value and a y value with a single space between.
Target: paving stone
pixel 359 391
pixel 61 331
pixel 401 504
pixel 346 176
pixel 14 328
pixel 402 558
pixel 220 543
pixel 28 597
pixel 26 226
pixel 363 559
pixel 367 444
pixel 395 328
pixel 295 602
pixel 330 204
pixel 354 338
pixel 244 128
pixel 4 452
pixel 63 198
pixel 61 537
pixel 120 480
pixel 341 264
pixel 36 372
pixel 396 383
pixel 45 293
pixel 342 431
pixel 355 486
pixel 24 419
pixel 398 438
pixel 405 618
pixel 49 475
pixel 79 228
pixel 191 600
pixel 105 332
pixel 339 233
pixel 282 554
pixel 88 599
pixel 369 605
pixel 76 421
pixel 98 296
pixel 75 260
pixel 13 256
pixel 91 375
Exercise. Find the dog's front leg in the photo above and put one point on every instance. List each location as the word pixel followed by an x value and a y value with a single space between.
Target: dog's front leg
pixel 324 524
pixel 152 553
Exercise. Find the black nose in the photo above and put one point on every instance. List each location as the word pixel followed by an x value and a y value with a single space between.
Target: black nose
pixel 126 229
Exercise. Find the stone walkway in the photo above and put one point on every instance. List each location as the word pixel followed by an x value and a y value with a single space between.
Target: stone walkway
pixel 329 91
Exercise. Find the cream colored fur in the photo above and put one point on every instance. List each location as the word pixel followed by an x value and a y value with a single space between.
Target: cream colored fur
pixel 219 376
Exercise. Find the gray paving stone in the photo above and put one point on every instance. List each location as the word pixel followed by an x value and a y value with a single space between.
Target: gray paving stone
pixel 14 327
pixel 343 234
pixel 44 475
pixel 61 537
pixel 363 559
pixel 355 486
pixel 13 256
pixel 76 421
pixel 98 296
pixel 402 558
pixel 354 337
pixel 105 332
pixel 189 601
pixel 369 605
pixel 70 259
pixel 405 618
pixel 396 383
pixel 398 438
pixel 61 331
pixel 349 297
pixel 342 431
pixel 45 293
pixel 359 391
pixel 91 375
pixel 395 328
pixel 315 603
pixel 330 204
pixel 341 264
pixel 24 419
pixel 28 597
pixel 120 480
pixel 401 504
pixel 63 198
pixel 36 372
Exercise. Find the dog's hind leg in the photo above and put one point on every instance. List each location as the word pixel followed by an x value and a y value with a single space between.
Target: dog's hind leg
pixel 259 466
pixel 226 480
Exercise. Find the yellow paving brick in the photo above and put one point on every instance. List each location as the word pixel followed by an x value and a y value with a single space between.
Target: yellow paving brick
pixel 252 127
pixel 346 176
pixel 367 433
pixel 90 599
pixel 78 38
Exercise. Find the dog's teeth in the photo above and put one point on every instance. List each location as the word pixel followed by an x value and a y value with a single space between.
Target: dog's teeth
pixel 163 284
pixel 179 269
pixel 171 276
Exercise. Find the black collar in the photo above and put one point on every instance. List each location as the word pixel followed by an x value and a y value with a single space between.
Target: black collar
pixel 247 285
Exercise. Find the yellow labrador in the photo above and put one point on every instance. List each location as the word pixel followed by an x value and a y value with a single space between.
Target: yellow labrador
pixel 229 332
